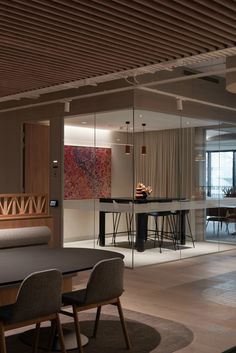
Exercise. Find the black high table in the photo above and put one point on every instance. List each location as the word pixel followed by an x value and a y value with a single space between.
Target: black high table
pixel 18 263
pixel 141 218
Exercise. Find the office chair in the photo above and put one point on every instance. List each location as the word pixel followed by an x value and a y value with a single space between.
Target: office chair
pixel 38 300
pixel 105 286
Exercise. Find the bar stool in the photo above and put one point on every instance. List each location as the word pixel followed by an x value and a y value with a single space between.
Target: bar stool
pixel 116 216
pixel 129 222
pixel 187 220
pixel 166 230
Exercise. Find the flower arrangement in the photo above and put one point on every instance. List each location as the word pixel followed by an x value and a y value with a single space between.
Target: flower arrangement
pixel 142 191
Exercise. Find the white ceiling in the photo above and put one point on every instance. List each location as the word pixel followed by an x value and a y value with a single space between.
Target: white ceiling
pixel 116 120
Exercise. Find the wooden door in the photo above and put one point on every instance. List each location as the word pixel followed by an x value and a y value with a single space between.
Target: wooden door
pixel 36 158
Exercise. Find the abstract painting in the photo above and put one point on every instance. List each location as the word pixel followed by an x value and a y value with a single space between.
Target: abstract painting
pixel 87 172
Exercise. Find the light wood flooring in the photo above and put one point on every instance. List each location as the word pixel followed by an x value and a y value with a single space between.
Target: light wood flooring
pixel 199 292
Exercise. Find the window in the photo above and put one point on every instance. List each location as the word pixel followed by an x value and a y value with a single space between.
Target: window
pixel 220 172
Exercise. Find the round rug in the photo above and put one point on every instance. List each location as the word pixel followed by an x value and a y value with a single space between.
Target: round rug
pixel 147 334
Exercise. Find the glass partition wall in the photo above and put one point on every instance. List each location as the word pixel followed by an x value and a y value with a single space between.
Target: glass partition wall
pixel 153 185
pixel 98 160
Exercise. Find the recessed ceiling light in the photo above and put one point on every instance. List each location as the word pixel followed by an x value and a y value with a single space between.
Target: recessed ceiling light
pixel 187 122
pixel 84 122
pixel 140 115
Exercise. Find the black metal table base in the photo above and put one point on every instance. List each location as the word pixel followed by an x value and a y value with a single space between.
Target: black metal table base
pixel 69 335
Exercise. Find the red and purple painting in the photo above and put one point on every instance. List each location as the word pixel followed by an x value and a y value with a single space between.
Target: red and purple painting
pixel 87 172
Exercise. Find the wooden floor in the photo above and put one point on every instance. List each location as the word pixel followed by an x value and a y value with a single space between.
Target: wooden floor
pixel 194 292
pixel 199 292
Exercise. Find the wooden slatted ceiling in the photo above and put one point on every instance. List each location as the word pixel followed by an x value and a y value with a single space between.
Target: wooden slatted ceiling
pixel 49 42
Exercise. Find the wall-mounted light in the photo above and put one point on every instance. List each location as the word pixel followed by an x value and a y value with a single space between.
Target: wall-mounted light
pixel 127 146
pixel 179 103
pixel 144 148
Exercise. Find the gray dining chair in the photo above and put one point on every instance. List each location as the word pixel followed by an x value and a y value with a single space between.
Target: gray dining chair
pixel 105 286
pixel 38 300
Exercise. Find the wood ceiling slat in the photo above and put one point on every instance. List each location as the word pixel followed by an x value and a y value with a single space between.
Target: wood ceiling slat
pixel 226 27
pixel 167 32
pixel 191 9
pixel 124 42
pixel 107 66
pixel 98 45
pixel 134 37
pixel 135 32
pixel 83 47
pixel 220 9
pixel 227 3
pixel 28 64
pixel 165 22
pixel 147 22
pixel 195 25
pixel 163 17
pixel 34 56
pixel 101 59
pixel 180 24
pixel 83 44
pixel 65 34
pixel 49 42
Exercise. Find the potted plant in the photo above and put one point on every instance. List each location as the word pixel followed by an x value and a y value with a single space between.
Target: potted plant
pixel 229 191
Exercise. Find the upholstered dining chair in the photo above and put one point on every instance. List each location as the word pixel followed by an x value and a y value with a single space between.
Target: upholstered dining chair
pixel 38 300
pixel 105 286
pixel 219 215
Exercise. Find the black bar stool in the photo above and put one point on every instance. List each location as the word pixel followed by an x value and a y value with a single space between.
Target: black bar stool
pixel 188 234
pixel 166 230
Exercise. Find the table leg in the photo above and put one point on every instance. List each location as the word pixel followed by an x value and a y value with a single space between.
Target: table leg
pixel 182 227
pixel 102 227
pixel 141 226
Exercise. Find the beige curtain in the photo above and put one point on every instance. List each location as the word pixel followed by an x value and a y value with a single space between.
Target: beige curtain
pixel 168 167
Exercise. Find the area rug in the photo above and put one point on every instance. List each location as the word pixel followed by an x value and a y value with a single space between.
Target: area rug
pixel 147 334
pixel 230 350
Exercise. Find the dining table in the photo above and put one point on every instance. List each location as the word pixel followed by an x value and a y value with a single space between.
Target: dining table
pixel 18 263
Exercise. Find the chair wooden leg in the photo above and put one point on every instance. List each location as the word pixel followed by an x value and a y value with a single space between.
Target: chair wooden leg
pixel 3 348
pixel 52 336
pixel 97 321
pixel 36 338
pixel 77 329
pixel 122 320
pixel 60 333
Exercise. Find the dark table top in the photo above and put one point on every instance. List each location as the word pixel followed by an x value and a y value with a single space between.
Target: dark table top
pixel 18 263
pixel 134 200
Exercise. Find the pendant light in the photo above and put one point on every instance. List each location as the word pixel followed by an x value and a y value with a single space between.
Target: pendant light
pixel 127 146
pixel 144 148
